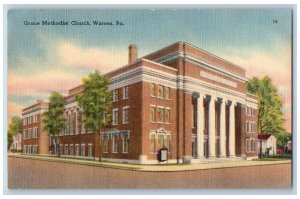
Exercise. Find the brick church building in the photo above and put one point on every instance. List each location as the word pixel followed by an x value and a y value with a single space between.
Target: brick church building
pixel 179 97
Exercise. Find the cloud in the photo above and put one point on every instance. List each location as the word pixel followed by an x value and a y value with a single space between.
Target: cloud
pixel 72 55
pixel 41 84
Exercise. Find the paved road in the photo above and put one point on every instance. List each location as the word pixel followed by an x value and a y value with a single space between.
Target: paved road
pixel 27 173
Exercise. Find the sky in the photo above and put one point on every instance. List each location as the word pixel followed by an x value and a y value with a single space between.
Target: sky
pixel 42 59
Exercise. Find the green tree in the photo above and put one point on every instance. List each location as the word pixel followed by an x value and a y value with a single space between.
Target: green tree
pixel 270 116
pixel 54 120
pixel 95 100
pixel 13 128
pixel 283 139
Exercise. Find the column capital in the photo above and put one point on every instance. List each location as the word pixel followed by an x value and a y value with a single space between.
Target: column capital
pixel 213 97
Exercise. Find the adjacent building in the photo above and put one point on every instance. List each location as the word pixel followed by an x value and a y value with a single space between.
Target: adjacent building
pixel 268 143
pixel 179 97
pixel 17 143
pixel 34 139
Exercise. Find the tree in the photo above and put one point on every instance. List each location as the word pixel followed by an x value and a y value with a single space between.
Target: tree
pixel 13 128
pixel 283 139
pixel 95 100
pixel 54 121
pixel 270 116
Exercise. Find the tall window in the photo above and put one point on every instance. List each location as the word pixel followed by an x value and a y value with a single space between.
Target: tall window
pixel 167 116
pixel 168 92
pixel 153 143
pixel 125 140
pixel 114 144
pixel 29 133
pixel 115 95
pixel 73 123
pixel 24 134
pixel 160 91
pixel 152 89
pixel 160 141
pixel 160 115
pixel 66 150
pixel 77 150
pixel 115 117
pixel 250 144
pixel 105 145
pixel 90 150
pixel 125 115
pixel 82 149
pixel 71 149
pixel 61 149
pixel 168 142
pixel 152 114
pixel 125 92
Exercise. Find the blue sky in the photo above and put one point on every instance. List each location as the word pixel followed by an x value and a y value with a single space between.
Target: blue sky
pixel 45 58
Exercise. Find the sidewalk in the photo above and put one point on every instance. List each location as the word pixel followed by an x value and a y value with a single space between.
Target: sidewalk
pixel 163 167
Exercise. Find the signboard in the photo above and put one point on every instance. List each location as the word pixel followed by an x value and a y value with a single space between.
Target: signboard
pixel 163 154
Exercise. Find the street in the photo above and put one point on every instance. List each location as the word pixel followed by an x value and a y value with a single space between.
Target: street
pixel 37 174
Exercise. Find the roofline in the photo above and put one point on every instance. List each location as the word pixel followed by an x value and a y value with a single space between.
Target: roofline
pixel 30 106
pixel 196 47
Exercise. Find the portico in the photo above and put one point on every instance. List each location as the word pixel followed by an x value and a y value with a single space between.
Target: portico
pixel 215 133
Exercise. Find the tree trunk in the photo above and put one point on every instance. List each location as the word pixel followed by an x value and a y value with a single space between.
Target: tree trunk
pixel 58 146
pixel 260 148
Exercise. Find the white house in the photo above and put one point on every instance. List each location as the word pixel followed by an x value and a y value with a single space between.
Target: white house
pixel 17 142
pixel 268 144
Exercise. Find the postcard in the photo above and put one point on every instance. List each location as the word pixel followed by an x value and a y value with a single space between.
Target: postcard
pixel 149 98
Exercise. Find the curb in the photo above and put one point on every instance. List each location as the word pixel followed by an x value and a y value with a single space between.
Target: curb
pixel 148 168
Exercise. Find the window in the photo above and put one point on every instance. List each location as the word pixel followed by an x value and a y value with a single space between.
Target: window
pixel 35 132
pixel 160 115
pixel 73 123
pixel 24 121
pixel 160 141
pixel 90 150
pixel 82 149
pixel 250 144
pixel 61 149
pixel 115 95
pixel 168 93
pixel 125 115
pixel 77 150
pixel 153 143
pixel 125 141
pixel 125 92
pixel 152 89
pixel 114 144
pixel 66 149
pixel 105 143
pixel 29 133
pixel 71 149
pixel 115 117
pixel 152 114
pixel 24 134
pixel 160 91
pixel 168 142
pixel 167 116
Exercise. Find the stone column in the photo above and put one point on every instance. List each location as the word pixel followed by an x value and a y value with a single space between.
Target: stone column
pixel 232 130
pixel 200 127
pixel 223 129
pixel 212 128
